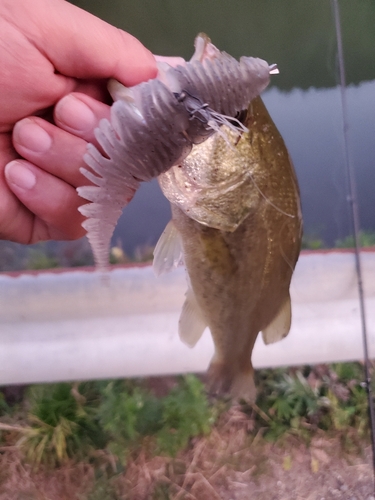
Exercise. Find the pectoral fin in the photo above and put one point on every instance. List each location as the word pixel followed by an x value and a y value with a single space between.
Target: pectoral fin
pixel 168 250
pixel 192 322
pixel 280 325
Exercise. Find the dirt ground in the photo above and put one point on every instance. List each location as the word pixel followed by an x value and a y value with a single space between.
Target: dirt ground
pixel 230 464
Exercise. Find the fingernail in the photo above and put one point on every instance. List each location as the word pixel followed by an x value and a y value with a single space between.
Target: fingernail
pixel 75 114
pixel 31 136
pixel 18 174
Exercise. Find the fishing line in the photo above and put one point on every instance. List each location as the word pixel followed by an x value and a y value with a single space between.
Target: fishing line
pixel 355 223
pixel 267 199
pixel 249 174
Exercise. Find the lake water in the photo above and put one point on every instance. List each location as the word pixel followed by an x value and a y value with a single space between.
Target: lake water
pixel 304 99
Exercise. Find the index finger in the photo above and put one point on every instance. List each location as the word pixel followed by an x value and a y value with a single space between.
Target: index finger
pixel 81 45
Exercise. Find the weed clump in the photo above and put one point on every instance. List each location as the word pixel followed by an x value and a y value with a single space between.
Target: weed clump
pixel 300 401
pixel 126 435
pixel 73 421
pixel 62 424
pixel 186 413
pixel 130 416
pixel 3 405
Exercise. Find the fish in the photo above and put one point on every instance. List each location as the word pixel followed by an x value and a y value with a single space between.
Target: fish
pixel 154 125
pixel 237 228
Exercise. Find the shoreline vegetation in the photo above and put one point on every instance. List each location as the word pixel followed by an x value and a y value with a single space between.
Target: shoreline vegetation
pixel 165 438
pixel 52 255
pixel 162 438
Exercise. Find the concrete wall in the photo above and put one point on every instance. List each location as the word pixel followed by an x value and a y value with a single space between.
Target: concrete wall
pixel 74 325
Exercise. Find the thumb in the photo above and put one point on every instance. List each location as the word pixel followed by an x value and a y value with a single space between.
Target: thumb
pixel 81 45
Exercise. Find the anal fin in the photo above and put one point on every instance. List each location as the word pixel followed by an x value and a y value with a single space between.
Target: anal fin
pixel 280 325
pixel 192 322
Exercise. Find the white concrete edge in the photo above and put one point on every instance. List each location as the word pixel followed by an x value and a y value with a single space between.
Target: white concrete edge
pixel 73 326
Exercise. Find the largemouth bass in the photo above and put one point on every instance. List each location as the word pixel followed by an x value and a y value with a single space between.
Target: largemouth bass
pixel 236 225
pixel 154 125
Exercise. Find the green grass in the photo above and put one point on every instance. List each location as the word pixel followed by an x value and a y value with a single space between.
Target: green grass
pixel 68 422
pixel 71 421
pixel 186 414
pixel 4 407
pixel 314 242
pixel 63 424
pixel 303 400
pixel 366 239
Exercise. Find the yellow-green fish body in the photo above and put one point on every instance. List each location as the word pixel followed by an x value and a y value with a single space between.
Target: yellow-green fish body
pixel 236 213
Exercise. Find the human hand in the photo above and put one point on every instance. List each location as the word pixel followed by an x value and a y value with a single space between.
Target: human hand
pixel 53 52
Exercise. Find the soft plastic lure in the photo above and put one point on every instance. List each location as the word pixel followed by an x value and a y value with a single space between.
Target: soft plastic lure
pixel 154 125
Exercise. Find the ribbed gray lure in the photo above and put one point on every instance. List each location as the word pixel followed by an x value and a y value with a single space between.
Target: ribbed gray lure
pixel 154 125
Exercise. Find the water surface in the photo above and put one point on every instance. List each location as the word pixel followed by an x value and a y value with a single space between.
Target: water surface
pixel 303 99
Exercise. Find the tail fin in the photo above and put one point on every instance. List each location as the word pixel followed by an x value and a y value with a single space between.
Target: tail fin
pixel 234 381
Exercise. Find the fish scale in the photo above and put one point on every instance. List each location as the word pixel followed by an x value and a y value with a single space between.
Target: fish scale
pixel 236 216
pixel 238 278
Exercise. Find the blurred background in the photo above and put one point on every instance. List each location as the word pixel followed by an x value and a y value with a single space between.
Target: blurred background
pixel 123 436
pixel 304 101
